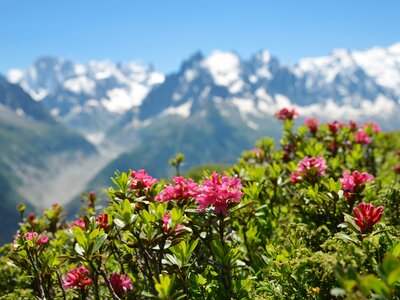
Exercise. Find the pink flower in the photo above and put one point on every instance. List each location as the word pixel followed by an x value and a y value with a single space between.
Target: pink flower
pixel 354 183
pixel 362 138
pixel 397 169
pixel 102 219
pixel 308 169
pixel 141 180
pixel 366 216
pixel 168 222
pixel 43 240
pixel 121 283
pixel 353 125
pixel 312 124
pixel 80 223
pixel 335 126
pixel 77 278
pixel 375 127
pixel 33 236
pixel 183 190
pixel 218 192
pixel 313 164
pixel 286 114
pixel 296 177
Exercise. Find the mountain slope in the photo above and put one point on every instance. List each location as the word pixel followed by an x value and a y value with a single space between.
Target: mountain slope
pixel 205 137
pixel 29 140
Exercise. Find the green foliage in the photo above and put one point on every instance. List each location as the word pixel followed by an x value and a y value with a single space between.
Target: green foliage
pixel 284 239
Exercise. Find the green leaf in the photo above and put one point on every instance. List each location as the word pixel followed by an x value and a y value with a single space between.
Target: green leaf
pixel 372 283
pixel 79 236
pixel 126 210
pixel 391 268
pixel 173 259
pixel 119 223
pixel 394 276
pixel 201 280
pixel 396 250
pixel 99 241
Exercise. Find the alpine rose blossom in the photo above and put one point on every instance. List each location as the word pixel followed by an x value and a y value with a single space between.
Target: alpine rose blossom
pixel 375 127
pixel 120 283
pixel 362 138
pixel 353 126
pixel 366 216
pixel 183 190
pixel 286 114
pixel 354 183
pixel 218 192
pixel 33 236
pixel 102 220
pixel 335 126
pixel 308 169
pixel 80 223
pixel 141 180
pixel 312 124
pixel 77 278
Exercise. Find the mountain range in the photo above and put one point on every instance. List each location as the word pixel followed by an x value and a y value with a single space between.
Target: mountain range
pixel 212 108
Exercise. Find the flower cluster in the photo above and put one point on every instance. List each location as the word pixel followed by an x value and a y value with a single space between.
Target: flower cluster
pixel 366 216
pixel 353 126
pixel 182 190
pixel 121 283
pixel 286 114
pixel 80 223
pixel 141 180
pixel 102 220
pixel 29 236
pixel 335 126
pixel 373 125
pixel 354 183
pixel 33 236
pixel 309 169
pixel 362 137
pixel 218 192
pixel 312 124
pixel 77 278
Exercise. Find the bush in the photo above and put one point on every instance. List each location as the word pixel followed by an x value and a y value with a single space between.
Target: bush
pixel 316 219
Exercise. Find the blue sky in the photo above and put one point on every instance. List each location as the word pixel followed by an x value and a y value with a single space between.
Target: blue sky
pixel 166 32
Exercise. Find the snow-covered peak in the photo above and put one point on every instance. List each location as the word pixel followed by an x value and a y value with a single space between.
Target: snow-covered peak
pixel 118 87
pixel 325 66
pixel 101 69
pixel 15 75
pixel 225 68
pixel 264 56
pixel 382 64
